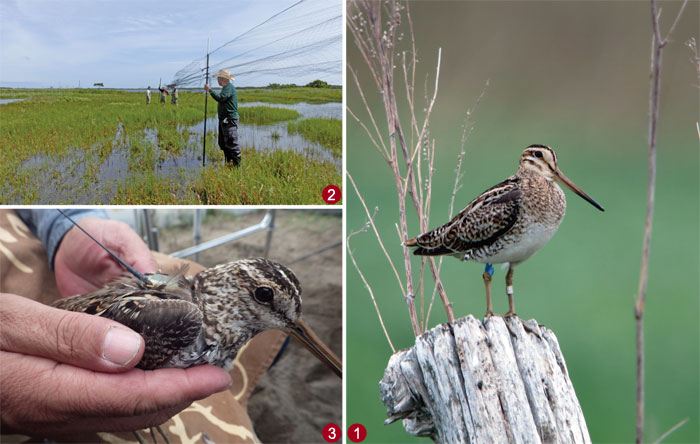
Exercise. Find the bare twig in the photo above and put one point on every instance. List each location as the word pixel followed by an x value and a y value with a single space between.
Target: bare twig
pixel 671 430
pixel 466 129
pixel 657 47
pixel 696 57
pixel 410 153
pixel 376 233
pixel 369 288
pixel 383 148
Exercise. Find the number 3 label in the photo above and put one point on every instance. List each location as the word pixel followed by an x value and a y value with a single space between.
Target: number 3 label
pixel 331 194
pixel 331 432
pixel 357 433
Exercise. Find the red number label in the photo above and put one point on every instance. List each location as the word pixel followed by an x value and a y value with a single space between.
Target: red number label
pixel 331 194
pixel 331 432
pixel 357 433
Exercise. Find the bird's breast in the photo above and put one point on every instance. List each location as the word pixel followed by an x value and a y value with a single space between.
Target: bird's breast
pixel 519 246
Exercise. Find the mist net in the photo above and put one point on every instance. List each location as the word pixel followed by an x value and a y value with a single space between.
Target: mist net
pixel 299 44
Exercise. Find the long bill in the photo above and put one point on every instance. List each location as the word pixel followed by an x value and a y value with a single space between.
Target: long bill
pixel 302 333
pixel 572 186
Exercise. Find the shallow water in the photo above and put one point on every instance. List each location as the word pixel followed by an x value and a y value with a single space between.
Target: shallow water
pixel 6 101
pixel 79 177
pixel 273 137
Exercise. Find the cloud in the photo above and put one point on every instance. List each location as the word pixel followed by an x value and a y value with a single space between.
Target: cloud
pixel 131 42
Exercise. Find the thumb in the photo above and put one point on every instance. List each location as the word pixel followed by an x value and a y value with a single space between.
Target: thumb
pixel 78 339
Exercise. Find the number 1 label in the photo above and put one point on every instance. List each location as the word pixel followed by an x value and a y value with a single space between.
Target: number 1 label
pixel 357 433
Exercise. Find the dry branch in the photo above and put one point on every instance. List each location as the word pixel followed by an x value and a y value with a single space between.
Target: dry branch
pixel 505 381
pixel 658 44
pixel 375 28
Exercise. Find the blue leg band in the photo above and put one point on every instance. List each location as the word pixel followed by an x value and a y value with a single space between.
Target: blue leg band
pixel 489 269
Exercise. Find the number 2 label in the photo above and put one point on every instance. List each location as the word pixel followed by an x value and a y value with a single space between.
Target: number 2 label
pixel 331 194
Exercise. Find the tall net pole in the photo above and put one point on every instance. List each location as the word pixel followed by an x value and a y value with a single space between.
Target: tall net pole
pixel 206 96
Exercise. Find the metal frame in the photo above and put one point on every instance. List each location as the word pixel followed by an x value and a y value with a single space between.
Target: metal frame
pixel 144 224
pixel 267 223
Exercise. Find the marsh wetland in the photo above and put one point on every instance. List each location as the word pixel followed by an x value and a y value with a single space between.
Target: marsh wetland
pixel 109 147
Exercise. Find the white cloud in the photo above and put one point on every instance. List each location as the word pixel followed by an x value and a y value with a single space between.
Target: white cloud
pixel 129 42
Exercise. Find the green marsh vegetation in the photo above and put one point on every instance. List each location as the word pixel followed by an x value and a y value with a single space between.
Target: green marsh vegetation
pixel 279 178
pixel 327 132
pixel 290 95
pixel 96 146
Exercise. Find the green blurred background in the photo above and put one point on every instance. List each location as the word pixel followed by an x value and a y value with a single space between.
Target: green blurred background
pixel 574 76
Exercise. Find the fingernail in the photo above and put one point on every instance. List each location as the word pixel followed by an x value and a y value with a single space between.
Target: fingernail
pixel 121 345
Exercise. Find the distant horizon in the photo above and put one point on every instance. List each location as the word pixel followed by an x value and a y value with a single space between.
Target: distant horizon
pixel 4 86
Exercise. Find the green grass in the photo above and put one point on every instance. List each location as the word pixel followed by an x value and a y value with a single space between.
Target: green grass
pixel 81 129
pixel 263 115
pixel 276 178
pixel 327 132
pixel 291 95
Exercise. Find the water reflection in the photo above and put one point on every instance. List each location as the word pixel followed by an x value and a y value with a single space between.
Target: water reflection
pixel 82 175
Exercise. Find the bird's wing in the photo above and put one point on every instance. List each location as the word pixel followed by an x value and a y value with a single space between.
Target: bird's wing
pixel 492 214
pixel 161 314
pixel 167 325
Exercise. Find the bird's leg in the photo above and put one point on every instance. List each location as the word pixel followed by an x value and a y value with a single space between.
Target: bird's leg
pixel 153 435
pixel 162 433
pixel 488 272
pixel 509 291
pixel 138 437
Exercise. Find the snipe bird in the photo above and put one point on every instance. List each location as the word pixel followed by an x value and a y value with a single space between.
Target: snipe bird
pixel 205 319
pixel 507 223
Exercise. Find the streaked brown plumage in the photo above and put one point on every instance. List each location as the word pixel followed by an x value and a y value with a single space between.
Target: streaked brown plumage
pixel 207 318
pixel 507 223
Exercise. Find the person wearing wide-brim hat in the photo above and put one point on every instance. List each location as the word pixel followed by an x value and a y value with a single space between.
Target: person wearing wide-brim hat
pixel 163 92
pixel 227 110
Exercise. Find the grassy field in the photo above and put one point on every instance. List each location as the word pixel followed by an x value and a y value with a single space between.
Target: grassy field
pixel 585 94
pixel 291 95
pixel 91 146
pixel 278 178
pixel 327 132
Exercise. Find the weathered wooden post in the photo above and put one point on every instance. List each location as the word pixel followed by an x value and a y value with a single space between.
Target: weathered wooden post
pixel 504 381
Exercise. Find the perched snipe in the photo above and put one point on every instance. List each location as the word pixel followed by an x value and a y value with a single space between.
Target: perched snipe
pixel 507 223
pixel 205 319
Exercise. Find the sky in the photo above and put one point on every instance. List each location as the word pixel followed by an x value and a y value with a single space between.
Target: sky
pixel 123 44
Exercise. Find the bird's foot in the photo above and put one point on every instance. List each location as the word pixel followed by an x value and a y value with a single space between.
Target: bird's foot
pixel 510 313
pixel 487 318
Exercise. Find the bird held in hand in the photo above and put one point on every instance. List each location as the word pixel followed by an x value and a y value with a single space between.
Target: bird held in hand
pixel 207 318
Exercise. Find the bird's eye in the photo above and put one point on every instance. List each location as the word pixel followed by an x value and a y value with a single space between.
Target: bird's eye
pixel 264 295
pixel 538 154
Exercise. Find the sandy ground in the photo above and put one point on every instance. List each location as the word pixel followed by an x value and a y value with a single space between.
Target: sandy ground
pixel 298 396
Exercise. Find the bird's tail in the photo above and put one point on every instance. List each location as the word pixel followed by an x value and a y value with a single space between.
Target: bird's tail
pixel 411 242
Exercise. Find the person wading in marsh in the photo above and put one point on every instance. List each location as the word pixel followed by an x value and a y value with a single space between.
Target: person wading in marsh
pixel 227 109
pixel 148 95
pixel 173 96
pixel 163 93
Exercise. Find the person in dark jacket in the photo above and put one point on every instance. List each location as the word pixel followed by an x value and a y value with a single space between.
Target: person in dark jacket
pixel 227 110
